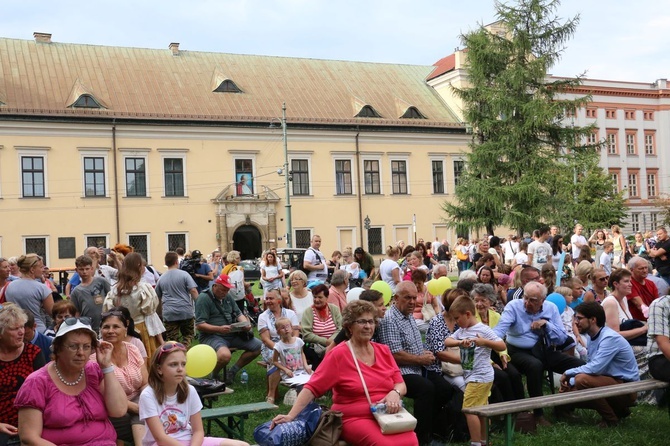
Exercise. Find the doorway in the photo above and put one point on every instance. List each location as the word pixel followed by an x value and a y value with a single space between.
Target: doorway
pixel 247 240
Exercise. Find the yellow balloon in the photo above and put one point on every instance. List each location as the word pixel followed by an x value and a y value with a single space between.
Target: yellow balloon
pixel 434 287
pixel 200 361
pixel 444 284
pixel 383 288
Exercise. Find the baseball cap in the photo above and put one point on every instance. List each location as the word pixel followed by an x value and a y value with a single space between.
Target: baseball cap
pixel 196 254
pixel 75 323
pixel 224 280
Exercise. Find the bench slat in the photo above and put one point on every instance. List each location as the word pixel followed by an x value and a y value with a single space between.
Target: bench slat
pixel 241 409
pixel 560 399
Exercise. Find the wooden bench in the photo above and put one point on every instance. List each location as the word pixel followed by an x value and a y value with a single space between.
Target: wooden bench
pixel 234 417
pixel 509 408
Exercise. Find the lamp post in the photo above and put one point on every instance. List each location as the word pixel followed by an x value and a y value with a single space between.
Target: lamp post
pixel 287 177
pixel 366 225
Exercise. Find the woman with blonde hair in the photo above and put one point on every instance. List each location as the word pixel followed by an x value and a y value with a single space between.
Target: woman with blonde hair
pixel 301 296
pixel 29 293
pixel 139 297
pixel 619 242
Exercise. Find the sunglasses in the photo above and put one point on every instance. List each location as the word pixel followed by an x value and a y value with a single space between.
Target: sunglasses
pixel 73 320
pixel 116 313
pixel 169 347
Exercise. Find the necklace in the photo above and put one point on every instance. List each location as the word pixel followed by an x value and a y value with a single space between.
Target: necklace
pixel 68 383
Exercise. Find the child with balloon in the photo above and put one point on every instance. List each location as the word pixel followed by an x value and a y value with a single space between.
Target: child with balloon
pixel 170 406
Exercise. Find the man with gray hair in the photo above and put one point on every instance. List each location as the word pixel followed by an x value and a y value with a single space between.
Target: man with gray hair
pixel 644 291
pixel 440 270
pixel 535 338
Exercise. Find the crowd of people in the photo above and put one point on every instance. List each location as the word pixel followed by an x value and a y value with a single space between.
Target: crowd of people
pixel 112 350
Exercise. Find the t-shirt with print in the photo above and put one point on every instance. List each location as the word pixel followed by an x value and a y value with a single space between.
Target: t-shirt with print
pixel 476 361
pixel 88 299
pixel 541 252
pixel 290 355
pixel 173 416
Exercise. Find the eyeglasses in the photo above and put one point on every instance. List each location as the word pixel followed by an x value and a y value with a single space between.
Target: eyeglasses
pixel 579 318
pixel 169 347
pixel 364 322
pixel 601 278
pixel 73 320
pixel 116 313
pixel 74 348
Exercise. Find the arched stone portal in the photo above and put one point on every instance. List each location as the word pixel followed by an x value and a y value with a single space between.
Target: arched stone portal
pixel 247 240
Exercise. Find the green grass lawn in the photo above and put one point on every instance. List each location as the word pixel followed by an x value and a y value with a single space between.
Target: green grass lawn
pixel 648 425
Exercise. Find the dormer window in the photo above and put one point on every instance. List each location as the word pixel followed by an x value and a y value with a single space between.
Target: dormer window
pixel 86 101
pixel 227 86
pixel 367 112
pixel 413 113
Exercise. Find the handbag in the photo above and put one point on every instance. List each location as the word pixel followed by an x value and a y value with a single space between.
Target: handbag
pixel 629 324
pixel 463 257
pixel 427 311
pixel 395 423
pixel 329 429
pixel 293 433
pixel 450 368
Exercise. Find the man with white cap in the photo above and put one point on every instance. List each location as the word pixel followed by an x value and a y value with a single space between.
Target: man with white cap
pixel 216 318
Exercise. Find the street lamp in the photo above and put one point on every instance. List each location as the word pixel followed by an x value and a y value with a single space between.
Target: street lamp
pixel 366 225
pixel 287 177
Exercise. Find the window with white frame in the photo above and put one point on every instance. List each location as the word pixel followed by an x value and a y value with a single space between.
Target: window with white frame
pixel 176 240
pixel 136 177
pixel 649 144
pixel 372 177
pixel 37 245
pixel 615 179
pixel 632 184
pixel 438 176
pixel 459 166
pixel 592 137
pixel 140 244
pixel 99 241
pixel 300 176
pixel 346 236
pixel 610 142
pixel 653 220
pixel 94 176
pixel 651 184
pixel 375 240
pixel 303 238
pixel 173 176
pixel 33 177
pixel 343 184
pixel 399 177
pixel 630 144
pixel 244 176
pixel 635 222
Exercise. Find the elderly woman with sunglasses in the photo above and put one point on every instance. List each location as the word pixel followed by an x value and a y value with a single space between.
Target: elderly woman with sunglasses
pixel 129 369
pixel 17 361
pixel 69 401
pixel 29 293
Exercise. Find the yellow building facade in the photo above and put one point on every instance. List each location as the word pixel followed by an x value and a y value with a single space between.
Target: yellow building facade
pixel 167 148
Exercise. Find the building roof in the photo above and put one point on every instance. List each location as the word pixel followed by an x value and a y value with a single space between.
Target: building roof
pixel 444 65
pixel 46 79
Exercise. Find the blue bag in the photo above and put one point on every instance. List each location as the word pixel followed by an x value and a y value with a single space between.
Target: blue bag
pixel 294 433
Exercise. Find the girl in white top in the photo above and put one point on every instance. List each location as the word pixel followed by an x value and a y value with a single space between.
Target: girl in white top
pixel 170 406
pixel 272 274
pixel 389 270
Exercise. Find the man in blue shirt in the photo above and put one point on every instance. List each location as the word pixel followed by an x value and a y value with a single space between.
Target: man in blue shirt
pixel 611 361
pixel 535 339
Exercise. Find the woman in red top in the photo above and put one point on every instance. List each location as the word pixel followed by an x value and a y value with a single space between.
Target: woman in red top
pixel 382 377
pixel 17 361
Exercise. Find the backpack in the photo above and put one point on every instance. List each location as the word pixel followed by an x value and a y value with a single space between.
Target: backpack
pixel 301 261
pixel 190 266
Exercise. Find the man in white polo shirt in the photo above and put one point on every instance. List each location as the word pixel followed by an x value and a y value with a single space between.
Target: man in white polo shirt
pixel 315 262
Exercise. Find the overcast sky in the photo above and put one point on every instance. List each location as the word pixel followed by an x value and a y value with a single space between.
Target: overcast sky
pixel 616 39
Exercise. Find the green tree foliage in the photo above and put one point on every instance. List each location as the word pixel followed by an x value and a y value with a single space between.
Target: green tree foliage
pixel 521 152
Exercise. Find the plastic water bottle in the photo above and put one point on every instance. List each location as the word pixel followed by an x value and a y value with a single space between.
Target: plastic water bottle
pixel 244 377
pixel 380 408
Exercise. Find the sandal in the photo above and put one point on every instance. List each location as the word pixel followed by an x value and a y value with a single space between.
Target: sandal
pixel 270 400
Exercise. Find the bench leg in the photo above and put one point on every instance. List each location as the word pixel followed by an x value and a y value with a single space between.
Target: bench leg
pixel 509 429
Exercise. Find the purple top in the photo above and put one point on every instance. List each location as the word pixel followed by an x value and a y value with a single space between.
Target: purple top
pixel 69 420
